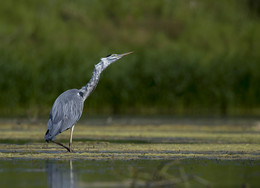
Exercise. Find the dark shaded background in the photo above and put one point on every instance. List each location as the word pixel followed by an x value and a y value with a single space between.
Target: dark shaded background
pixel 191 56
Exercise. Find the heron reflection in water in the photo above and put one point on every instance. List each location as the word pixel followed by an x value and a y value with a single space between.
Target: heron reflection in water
pixel 60 175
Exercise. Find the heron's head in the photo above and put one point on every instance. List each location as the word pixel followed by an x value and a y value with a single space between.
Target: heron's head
pixel 114 57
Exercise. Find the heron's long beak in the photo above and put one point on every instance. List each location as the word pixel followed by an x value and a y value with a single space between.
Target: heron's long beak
pixel 121 55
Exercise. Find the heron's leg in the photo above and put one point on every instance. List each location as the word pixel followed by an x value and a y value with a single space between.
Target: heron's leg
pixel 61 145
pixel 71 133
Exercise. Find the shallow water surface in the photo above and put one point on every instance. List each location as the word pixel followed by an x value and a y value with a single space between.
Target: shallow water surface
pixel 120 173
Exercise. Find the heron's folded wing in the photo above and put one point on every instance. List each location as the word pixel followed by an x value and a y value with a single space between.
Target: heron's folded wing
pixel 65 114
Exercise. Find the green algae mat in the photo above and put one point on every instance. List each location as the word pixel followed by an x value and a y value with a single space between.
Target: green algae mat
pixel 133 142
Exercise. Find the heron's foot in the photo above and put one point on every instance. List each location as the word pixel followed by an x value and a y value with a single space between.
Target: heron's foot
pixel 70 150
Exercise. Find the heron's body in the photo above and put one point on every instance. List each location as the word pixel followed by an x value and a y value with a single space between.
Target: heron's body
pixel 67 108
pixel 66 111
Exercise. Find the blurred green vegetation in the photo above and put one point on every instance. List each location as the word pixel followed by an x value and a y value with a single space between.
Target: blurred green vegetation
pixel 191 56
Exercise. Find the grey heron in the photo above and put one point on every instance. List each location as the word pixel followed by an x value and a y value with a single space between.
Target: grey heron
pixel 68 107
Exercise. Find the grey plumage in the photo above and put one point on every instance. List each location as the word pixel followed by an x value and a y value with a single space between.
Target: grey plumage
pixel 67 108
pixel 66 111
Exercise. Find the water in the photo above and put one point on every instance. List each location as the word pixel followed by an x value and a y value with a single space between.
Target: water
pixel 119 173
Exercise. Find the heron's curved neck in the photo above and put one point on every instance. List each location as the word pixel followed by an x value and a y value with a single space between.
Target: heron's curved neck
pixel 92 84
